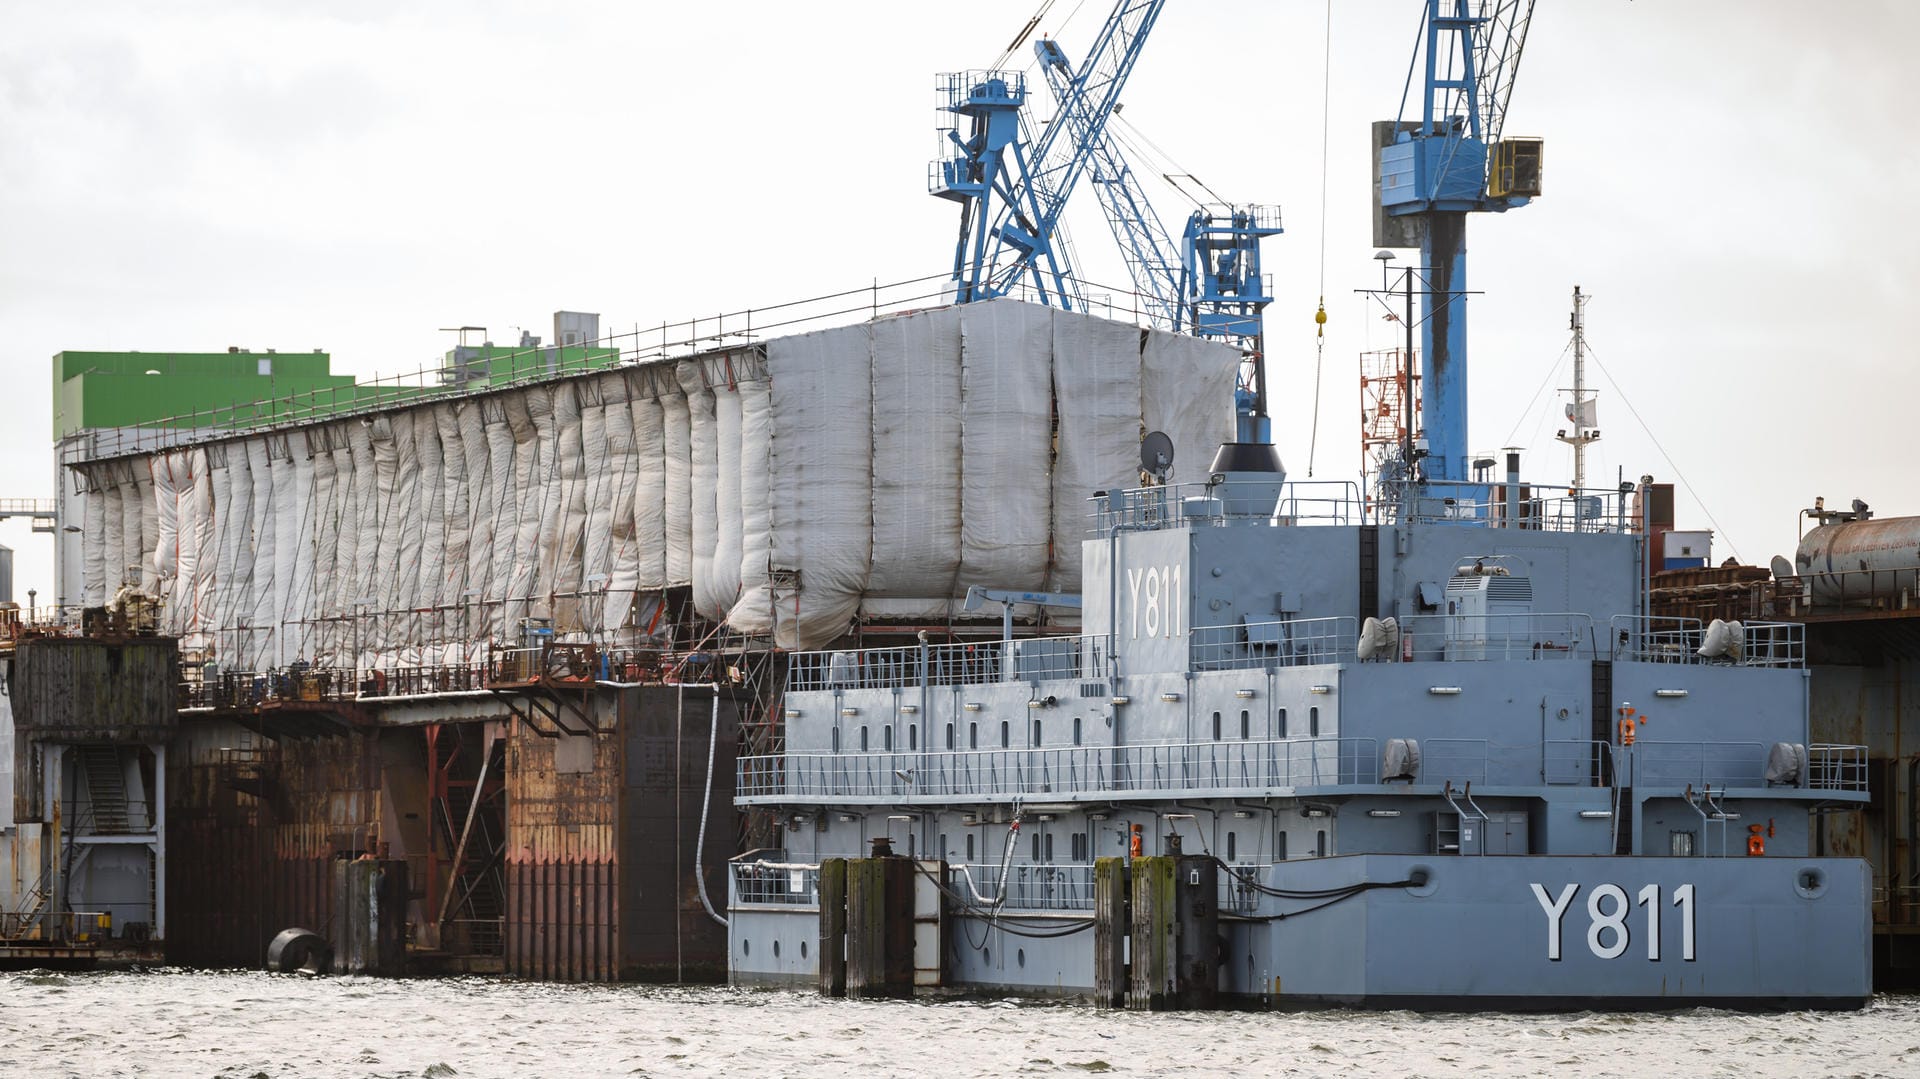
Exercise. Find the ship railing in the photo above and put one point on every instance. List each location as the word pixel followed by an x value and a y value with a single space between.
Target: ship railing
pixel 1701 764
pixel 1676 639
pixel 1479 637
pixel 1326 502
pixel 1578 762
pixel 1188 766
pixel 1456 760
pixel 1833 767
pixel 1030 886
pixel 775 883
pixel 1260 645
pixel 1240 884
pixel 974 663
pixel 1586 510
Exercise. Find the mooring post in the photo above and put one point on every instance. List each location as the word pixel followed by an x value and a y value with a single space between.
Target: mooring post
pixel 1110 924
pixel 880 924
pixel 1197 891
pixel 833 927
pixel 1155 964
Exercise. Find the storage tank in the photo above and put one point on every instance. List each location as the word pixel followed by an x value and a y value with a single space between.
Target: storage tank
pixel 1856 561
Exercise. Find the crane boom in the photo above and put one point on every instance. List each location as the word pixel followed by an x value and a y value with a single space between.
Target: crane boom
pixel 1012 188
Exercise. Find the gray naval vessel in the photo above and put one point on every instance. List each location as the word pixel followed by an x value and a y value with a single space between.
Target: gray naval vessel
pixel 1426 749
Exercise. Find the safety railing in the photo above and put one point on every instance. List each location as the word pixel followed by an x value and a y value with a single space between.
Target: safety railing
pixel 783 884
pixel 1478 637
pixel 562 662
pixel 1455 760
pixel 1701 764
pixel 1670 639
pixel 1258 645
pixel 978 663
pixel 239 690
pixel 61 927
pixel 1239 886
pixel 1836 767
pixel 1196 766
pixel 1269 501
pixel 1028 886
pixel 1484 504
pixel 1577 762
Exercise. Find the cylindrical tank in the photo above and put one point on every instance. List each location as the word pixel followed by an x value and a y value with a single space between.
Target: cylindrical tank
pixel 1861 560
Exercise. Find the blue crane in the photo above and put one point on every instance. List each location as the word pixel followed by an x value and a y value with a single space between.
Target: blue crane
pixel 1440 164
pixel 1013 189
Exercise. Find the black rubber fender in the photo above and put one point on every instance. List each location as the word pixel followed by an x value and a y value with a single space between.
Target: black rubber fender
pixel 299 951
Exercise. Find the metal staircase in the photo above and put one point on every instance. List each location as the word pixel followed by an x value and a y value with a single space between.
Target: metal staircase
pixel 106 789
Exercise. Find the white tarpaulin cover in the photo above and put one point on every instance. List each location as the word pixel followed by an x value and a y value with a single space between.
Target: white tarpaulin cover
pixel 874 470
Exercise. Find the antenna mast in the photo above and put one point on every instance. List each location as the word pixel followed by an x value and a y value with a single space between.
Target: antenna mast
pixel 1580 411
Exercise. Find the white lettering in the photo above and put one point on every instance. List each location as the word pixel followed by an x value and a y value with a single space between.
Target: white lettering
pixel 1608 936
pixel 1556 910
pixel 1175 598
pixel 1616 921
pixel 1133 603
pixel 1153 603
pixel 1683 898
pixel 1650 899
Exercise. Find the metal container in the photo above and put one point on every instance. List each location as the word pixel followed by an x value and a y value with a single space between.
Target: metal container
pixel 1859 561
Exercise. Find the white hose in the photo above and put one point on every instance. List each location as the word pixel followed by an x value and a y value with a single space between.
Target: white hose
pixel 699 845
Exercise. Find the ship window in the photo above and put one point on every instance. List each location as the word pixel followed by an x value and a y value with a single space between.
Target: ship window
pixel 1006 735
pixel 949 736
pixel 969 846
pixel 1320 844
pixel 909 844
pixel 886 738
pixel 1216 726
pixel 1049 848
pixel 1280 847
pixel 863 739
pixel 1313 722
pixel 1232 845
pixel 1036 732
pixel 1079 847
pixel 943 846
pixel 913 738
pixel 1036 846
pixel 1246 724
pixel 1680 844
pixel 1283 722
pixel 836 739
pixel 973 736
pixel 1076 730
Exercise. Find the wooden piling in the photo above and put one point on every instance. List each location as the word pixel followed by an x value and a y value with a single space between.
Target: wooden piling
pixel 833 927
pixel 1110 925
pixel 1151 987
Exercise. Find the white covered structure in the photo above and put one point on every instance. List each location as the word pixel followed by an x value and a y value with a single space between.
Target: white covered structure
pixel 874 470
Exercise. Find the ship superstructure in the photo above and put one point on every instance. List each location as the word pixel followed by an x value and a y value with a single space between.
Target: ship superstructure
pixel 1430 751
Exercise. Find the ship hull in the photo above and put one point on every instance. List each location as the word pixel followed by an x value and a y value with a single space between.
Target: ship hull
pixel 1527 933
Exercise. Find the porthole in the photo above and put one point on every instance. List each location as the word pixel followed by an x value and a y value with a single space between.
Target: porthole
pixel 803 949
pixel 1020 957
pixel 776 949
pixel 746 947
pixel 1811 882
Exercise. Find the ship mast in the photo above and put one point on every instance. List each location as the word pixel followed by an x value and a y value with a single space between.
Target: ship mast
pixel 1580 411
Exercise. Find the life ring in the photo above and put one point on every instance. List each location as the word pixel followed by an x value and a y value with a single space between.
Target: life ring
pixel 1626 731
pixel 1756 843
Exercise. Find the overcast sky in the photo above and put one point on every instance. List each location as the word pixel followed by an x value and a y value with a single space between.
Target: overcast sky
pixel 1727 178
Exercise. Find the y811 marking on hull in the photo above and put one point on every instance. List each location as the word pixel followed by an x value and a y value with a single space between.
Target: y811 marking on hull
pixel 1612 924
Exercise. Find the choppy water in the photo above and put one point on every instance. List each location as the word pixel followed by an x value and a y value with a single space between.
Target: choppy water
pixel 246 1025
